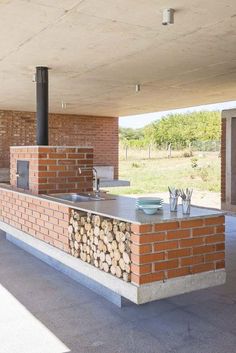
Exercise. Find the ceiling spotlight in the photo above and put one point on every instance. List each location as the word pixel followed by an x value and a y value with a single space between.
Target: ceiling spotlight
pixel 137 88
pixel 63 105
pixel 168 17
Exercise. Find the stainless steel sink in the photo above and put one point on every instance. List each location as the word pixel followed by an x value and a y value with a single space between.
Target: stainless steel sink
pixel 82 197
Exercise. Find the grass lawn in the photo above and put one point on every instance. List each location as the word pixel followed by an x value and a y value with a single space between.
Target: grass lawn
pixel 155 175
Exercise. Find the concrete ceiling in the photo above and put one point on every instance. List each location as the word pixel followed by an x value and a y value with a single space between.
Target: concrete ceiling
pixel 99 49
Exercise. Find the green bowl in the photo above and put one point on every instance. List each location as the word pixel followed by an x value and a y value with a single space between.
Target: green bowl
pixel 150 209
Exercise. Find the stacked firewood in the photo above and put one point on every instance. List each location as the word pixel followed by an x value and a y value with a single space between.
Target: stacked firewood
pixel 101 242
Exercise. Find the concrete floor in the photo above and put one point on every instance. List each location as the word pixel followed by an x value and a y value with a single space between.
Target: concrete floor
pixel 43 311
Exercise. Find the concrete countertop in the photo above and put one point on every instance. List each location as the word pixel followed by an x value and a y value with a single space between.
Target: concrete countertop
pixel 123 208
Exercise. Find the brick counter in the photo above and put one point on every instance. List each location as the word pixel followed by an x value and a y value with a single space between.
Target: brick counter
pixel 172 249
pixel 44 220
pixel 157 253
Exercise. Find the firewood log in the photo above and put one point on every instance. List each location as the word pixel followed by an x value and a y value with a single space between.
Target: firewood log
pixel 76 245
pixel 82 221
pixel 87 226
pixel 71 219
pixel 114 262
pixel 117 254
pixel 100 245
pixel 102 256
pixel 113 270
pixel 101 242
pixel 97 221
pixel 109 247
pixel 127 268
pixel 128 227
pixel 114 245
pixel 122 226
pixel 110 237
pixel 76 254
pixel 126 258
pixel 118 271
pixel 108 259
pixel 105 267
pixel 126 276
pixel 112 254
pixel 121 247
pixel 78 237
pixel 122 264
pixel 96 231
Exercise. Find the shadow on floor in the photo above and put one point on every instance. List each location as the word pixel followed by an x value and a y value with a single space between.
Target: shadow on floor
pixel 199 322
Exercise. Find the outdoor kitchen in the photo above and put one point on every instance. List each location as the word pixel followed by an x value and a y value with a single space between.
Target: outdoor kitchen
pixel 121 247
pixel 54 198
pixel 117 176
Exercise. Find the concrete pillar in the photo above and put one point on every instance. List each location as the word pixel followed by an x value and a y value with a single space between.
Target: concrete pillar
pixel 228 161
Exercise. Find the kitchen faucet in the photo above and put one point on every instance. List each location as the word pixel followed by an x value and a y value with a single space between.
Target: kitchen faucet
pixel 96 180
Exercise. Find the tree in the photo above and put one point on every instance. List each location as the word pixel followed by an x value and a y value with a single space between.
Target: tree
pixel 178 129
pixel 184 128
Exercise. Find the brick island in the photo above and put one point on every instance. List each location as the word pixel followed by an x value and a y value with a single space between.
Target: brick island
pixel 109 245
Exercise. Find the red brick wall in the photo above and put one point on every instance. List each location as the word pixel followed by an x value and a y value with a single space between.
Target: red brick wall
pixel 55 169
pixel 172 249
pixel 42 219
pixel 18 128
pixel 223 160
pixel 158 252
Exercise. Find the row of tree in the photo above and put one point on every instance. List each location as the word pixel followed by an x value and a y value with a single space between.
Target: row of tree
pixel 180 129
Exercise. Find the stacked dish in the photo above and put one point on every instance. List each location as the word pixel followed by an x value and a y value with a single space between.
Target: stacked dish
pixel 149 205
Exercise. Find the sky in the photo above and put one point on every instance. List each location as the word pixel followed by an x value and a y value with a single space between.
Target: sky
pixel 138 121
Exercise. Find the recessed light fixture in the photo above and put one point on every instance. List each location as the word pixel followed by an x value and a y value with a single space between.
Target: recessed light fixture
pixel 168 17
pixel 137 88
pixel 63 105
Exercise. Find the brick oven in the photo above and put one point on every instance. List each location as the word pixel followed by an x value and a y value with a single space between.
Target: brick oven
pixel 53 169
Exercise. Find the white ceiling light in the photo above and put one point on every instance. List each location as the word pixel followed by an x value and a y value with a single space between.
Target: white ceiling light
pixel 168 17
pixel 63 105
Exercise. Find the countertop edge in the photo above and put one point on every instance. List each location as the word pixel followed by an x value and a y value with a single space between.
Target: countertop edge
pixel 186 218
pixel 215 212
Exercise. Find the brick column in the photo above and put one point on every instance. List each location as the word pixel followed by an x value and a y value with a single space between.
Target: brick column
pixel 168 250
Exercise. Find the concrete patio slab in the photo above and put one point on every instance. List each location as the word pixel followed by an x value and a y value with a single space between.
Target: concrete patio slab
pixel 77 320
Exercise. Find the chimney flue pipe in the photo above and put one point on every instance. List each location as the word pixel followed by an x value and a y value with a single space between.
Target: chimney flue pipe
pixel 42 105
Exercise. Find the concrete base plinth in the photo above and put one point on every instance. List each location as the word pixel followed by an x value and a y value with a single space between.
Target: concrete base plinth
pixel 111 287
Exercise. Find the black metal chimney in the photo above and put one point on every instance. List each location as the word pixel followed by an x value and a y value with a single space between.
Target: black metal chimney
pixel 42 105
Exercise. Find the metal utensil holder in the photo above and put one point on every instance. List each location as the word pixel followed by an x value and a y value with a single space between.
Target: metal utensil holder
pixel 186 206
pixel 173 203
